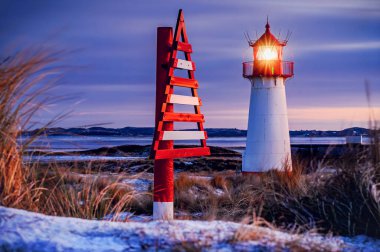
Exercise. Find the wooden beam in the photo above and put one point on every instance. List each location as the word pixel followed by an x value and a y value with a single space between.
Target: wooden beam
pixel 182 153
pixel 183 82
pixel 183 64
pixel 184 47
pixel 182 135
pixel 183 99
pixel 182 117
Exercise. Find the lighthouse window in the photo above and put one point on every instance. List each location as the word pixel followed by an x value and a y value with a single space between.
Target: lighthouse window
pixel 267 53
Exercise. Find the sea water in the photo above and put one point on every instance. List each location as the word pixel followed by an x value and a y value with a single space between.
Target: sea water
pixel 80 143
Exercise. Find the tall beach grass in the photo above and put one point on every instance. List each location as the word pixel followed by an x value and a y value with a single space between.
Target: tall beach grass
pixel 25 79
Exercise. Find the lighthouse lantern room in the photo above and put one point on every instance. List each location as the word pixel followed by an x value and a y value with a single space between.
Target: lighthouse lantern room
pixel 268 143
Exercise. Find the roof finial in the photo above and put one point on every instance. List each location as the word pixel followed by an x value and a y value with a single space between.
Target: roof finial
pixel 267 26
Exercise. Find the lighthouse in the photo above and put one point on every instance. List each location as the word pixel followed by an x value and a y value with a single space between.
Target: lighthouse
pixel 268 143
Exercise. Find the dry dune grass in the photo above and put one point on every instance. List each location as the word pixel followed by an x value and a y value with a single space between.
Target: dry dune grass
pixel 344 202
pixel 194 194
pixel 297 242
pixel 24 80
pixel 89 197
pixel 19 92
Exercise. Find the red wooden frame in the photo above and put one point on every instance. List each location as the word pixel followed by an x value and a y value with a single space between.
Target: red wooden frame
pixel 180 43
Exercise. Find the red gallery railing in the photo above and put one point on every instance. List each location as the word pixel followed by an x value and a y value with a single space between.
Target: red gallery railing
pixel 256 68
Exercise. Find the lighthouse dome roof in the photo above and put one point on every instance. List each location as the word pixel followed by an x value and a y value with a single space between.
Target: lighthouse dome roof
pixel 267 39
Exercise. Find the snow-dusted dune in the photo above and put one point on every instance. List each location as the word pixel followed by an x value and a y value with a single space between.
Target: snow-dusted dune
pixel 26 231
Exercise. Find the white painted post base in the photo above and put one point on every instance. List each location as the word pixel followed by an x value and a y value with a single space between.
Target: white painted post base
pixel 163 211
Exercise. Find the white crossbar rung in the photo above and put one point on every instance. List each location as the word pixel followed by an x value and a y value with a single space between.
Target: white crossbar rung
pixel 184 64
pixel 184 99
pixel 183 135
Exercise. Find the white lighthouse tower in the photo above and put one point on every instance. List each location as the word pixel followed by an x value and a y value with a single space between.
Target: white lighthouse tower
pixel 268 143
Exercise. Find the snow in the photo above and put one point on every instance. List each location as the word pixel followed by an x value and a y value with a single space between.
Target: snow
pixel 26 231
pixel 128 216
pixel 138 184
pixel 219 192
pixel 206 178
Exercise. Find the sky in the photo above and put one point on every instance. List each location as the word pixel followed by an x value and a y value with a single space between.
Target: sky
pixel 111 51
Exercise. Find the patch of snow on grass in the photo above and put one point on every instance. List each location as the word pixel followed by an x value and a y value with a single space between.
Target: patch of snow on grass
pixel 218 192
pixel 128 216
pixel 139 185
pixel 27 231
pixel 207 178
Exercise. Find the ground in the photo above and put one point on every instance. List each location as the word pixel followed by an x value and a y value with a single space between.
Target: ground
pixel 26 231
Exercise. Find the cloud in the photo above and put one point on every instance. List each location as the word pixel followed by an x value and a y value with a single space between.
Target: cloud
pixel 326 7
pixel 340 117
pixel 336 47
pixel 111 87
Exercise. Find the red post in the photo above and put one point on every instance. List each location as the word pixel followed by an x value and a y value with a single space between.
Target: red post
pixel 163 168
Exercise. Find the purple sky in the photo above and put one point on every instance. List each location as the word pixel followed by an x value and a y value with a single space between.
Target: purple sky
pixel 335 46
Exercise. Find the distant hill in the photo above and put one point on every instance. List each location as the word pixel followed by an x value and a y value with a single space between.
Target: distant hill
pixel 212 132
pixel 355 131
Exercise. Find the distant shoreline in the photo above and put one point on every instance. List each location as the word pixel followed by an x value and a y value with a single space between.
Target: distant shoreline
pixel 211 132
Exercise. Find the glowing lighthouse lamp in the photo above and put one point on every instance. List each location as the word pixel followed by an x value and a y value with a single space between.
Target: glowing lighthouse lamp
pixel 268 144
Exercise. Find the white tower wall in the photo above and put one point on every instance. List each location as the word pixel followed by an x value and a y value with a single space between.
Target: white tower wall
pixel 268 143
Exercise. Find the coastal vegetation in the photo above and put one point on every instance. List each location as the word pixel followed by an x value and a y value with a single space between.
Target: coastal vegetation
pixel 327 194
